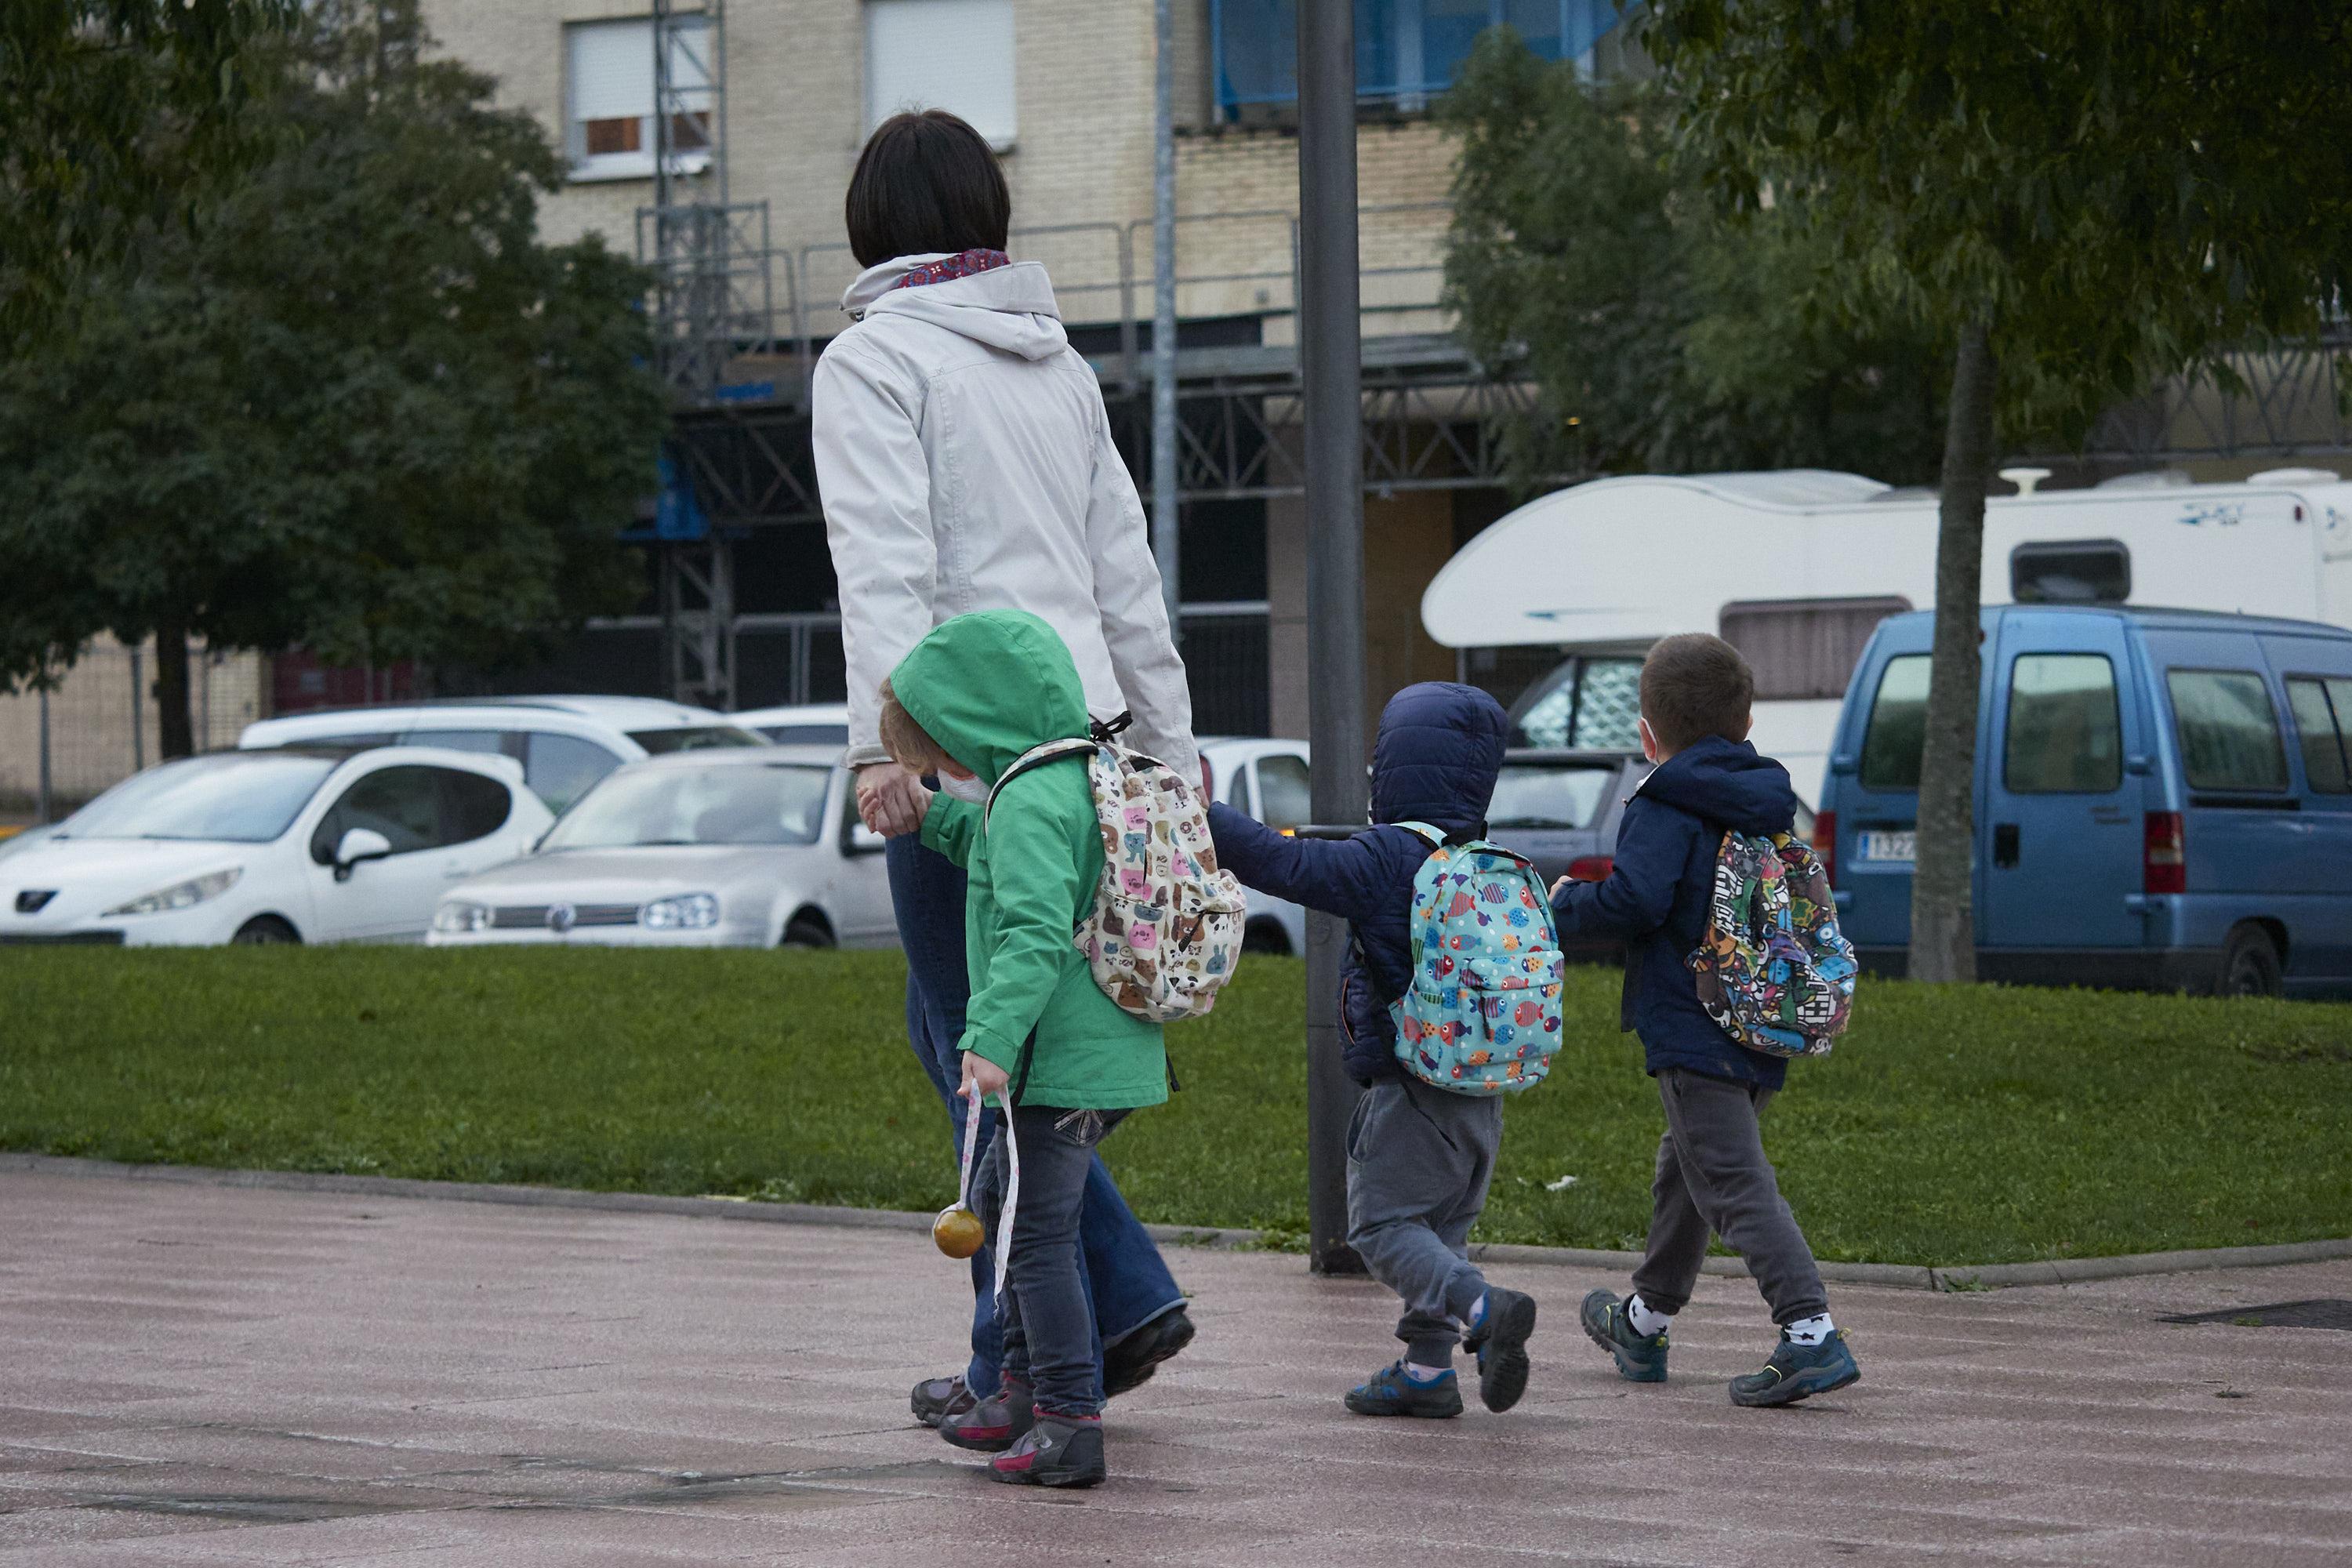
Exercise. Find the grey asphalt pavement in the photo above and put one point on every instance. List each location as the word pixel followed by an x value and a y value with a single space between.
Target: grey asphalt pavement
pixel 215 1376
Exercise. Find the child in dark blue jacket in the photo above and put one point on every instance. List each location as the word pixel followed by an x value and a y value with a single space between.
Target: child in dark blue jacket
pixel 1418 1157
pixel 1712 1175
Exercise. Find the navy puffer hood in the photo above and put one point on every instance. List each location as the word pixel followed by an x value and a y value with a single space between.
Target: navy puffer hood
pixel 1439 751
pixel 1726 782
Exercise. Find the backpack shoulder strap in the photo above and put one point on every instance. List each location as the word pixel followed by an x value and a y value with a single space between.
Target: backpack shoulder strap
pixel 1035 757
pixel 1423 830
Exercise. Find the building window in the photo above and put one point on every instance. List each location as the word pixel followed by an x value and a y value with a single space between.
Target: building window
pixel 609 79
pixel 1804 650
pixel 1407 51
pixel 955 55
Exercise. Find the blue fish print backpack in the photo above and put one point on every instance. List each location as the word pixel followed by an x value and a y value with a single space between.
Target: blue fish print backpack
pixel 1482 1014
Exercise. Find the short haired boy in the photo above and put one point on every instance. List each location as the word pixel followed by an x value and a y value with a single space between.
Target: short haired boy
pixel 1418 1157
pixel 1712 1174
pixel 973 694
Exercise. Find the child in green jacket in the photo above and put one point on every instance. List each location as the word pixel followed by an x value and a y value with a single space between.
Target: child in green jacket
pixel 1039 1034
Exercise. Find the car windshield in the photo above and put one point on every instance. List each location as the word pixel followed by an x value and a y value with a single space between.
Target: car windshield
pixel 1548 794
pixel 778 803
pixel 245 797
pixel 694 738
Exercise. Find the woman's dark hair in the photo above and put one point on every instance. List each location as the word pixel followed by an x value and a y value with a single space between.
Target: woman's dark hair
pixel 925 182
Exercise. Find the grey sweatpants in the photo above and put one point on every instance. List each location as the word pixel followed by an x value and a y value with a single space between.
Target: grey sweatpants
pixel 1713 1176
pixel 1418 1159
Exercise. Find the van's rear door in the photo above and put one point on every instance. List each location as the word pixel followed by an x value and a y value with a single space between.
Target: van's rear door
pixel 2060 823
pixel 1875 786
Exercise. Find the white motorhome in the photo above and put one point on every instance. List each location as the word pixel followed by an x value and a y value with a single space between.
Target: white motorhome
pixel 1796 568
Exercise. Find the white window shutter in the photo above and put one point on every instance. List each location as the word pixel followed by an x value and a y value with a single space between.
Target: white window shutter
pixel 612 70
pixel 955 55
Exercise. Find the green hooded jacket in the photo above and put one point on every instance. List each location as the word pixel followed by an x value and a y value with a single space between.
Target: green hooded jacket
pixel 988 687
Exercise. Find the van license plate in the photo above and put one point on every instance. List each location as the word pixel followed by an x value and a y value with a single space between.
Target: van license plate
pixel 1901 847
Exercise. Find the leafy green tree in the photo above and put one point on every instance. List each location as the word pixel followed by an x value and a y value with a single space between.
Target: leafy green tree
pixel 355 405
pixel 2082 197
pixel 1676 340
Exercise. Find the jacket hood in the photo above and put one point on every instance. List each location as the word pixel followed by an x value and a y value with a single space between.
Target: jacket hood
pixel 990 686
pixel 1010 308
pixel 1440 747
pixel 1725 782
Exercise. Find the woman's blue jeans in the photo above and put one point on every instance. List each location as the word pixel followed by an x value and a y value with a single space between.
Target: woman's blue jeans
pixel 1119 1265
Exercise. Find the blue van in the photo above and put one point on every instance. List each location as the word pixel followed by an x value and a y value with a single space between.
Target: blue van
pixel 2163 799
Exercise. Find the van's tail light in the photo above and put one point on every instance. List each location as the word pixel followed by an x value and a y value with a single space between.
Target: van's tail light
pixel 2164 859
pixel 1825 843
pixel 1590 869
pixel 1208 781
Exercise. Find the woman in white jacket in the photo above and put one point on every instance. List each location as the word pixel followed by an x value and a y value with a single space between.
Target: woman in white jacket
pixel 966 463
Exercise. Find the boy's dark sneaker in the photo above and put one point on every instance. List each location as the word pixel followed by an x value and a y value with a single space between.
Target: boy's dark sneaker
pixel 1058 1451
pixel 1389 1392
pixel 1641 1358
pixel 935 1398
pixel 1798 1372
pixel 1130 1361
pixel 994 1424
pixel 1500 1339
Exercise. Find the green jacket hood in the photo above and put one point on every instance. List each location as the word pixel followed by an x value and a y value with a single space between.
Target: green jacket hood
pixel 990 686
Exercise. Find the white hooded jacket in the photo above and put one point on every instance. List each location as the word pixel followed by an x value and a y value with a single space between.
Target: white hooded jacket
pixel 966 463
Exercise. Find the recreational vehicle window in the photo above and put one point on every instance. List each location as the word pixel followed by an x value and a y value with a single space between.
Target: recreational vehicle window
pixel 1804 650
pixel 1588 704
pixel 2065 729
pixel 2326 730
pixel 2229 732
pixel 1897 734
pixel 2070 571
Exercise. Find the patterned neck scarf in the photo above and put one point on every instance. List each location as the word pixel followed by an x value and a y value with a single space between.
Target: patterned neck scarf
pixel 961 265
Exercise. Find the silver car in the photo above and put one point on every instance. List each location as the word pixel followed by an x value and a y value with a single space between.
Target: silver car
pixel 759 847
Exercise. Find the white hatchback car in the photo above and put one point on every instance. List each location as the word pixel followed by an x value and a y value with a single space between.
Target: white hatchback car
pixel 564 744
pixel 294 844
pixel 1268 779
pixel 732 848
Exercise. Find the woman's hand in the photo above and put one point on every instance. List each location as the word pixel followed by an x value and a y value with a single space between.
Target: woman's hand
pixel 983 1077
pixel 890 800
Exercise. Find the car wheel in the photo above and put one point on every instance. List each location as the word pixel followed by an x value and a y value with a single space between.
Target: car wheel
pixel 1267 937
pixel 265 930
pixel 2249 963
pixel 806 930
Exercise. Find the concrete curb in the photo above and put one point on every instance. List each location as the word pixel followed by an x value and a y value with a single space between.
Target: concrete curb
pixel 1950 1277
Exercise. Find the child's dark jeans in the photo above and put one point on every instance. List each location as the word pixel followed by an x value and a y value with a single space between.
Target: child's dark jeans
pixel 1046 1319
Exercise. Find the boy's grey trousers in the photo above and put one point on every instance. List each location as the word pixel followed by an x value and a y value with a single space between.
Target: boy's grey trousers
pixel 1713 1175
pixel 1418 1159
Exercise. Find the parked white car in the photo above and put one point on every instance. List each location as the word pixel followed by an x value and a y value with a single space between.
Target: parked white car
pixel 295 845
pixel 564 744
pixel 808 723
pixel 729 849
pixel 1268 779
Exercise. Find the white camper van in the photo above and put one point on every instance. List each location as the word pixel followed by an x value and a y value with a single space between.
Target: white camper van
pixel 1797 568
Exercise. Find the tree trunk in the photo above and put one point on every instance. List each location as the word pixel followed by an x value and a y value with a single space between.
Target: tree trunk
pixel 176 735
pixel 1943 915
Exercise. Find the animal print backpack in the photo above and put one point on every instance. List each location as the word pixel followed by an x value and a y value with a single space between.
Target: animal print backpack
pixel 1482 1012
pixel 1773 970
pixel 1165 930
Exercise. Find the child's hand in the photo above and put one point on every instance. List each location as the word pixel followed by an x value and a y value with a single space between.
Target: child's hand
pixel 891 800
pixel 983 1077
pixel 1563 882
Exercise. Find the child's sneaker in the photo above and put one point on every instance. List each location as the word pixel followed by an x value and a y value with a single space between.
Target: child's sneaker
pixel 935 1398
pixel 1058 1451
pixel 1641 1358
pixel 1798 1372
pixel 1389 1392
pixel 994 1424
pixel 1500 1339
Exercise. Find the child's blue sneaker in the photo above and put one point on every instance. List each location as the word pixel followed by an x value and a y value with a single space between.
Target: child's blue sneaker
pixel 1798 1372
pixel 1389 1392
pixel 1641 1358
pixel 1500 1339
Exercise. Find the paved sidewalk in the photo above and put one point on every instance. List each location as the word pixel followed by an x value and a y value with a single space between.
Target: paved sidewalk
pixel 215 1376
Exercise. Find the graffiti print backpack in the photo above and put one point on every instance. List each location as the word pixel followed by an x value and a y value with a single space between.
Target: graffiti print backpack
pixel 1165 930
pixel 1482 1012
pixel 1773 970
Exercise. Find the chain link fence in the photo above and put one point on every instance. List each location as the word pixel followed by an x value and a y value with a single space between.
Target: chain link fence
pixel 61 747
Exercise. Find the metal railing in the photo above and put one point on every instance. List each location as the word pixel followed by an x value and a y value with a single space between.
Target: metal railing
pixel 98 725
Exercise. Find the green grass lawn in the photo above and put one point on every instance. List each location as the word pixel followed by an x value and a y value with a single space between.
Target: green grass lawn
pixel 1951 1125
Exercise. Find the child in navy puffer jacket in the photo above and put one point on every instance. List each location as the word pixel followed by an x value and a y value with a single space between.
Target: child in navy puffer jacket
pixel 1418 1157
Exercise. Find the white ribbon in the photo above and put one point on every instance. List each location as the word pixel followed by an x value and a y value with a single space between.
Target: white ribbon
pixel 1011 1184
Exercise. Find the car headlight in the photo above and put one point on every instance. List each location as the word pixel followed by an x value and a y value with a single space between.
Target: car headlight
pixel 182 895
pixel 457 915
pixel 688 911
